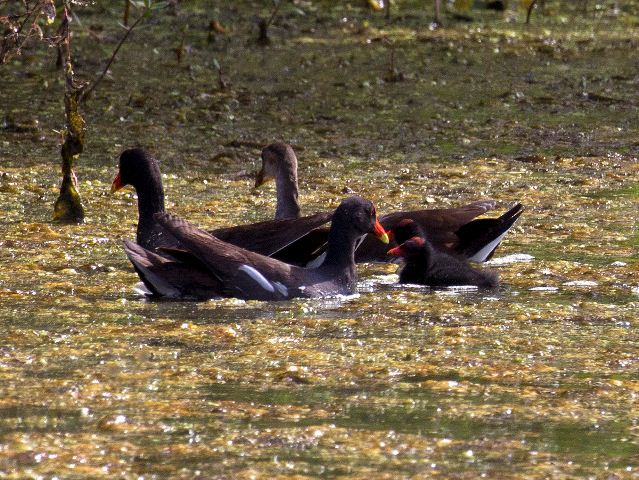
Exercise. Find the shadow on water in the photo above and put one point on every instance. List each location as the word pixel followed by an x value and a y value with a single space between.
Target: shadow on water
pixel 423 415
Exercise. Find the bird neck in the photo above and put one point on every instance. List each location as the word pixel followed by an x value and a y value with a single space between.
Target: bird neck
pixel 341 246
pixel 424 257
pixel 287 194
pixel 150 201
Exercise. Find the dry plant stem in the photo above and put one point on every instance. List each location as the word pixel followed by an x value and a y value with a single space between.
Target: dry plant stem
pixel 438 12
pixel 4 52
pixel 220 80
pixel 530 9
pixel 264 24
pixel 393 75
pixel 179 51
pixel 392 71
pixel 274 13
pixel 97 81
pixel 127 10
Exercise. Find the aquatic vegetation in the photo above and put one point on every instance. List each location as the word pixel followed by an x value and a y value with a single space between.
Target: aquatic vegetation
pixel 537 379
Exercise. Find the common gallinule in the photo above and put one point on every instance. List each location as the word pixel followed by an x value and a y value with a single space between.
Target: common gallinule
pixel 236 272
pixel 404 230
pixel 452 229
pixel 141 170
pixel 426 265
pixel 170 276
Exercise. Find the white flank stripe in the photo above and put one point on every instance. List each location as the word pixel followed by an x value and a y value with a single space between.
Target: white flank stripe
pixel 316 262
pixel 258 277
pixel 281 288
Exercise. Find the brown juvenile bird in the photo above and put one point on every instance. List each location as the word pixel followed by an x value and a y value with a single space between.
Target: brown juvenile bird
pixel 455 230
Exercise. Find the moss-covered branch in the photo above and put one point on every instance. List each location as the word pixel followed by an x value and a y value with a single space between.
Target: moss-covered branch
pixel 68 207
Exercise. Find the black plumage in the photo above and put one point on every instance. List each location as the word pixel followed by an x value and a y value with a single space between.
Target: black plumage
pixel 427 265
pixel 223 269
pixel 455 230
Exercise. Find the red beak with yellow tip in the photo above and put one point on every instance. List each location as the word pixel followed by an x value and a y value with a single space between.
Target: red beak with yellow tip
pixel 117 183
pixel 380 232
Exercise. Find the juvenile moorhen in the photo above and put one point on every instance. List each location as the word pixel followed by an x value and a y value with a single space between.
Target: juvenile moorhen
pixel 280 163
pixel 141 170
pixel 405 229
pixel 231 271
pixel 451 229
pixel 426 265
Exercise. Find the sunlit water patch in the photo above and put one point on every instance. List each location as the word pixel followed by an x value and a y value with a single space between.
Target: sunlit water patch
pixel 544 289
pixel 513 258
pixel 581 283
pixel 537 379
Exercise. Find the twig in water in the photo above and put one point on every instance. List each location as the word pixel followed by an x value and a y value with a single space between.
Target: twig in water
pixel 127 9
pixel 264 24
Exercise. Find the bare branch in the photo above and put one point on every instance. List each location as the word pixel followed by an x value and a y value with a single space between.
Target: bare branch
pixel 274 13
pixel 97 81
pixel 530 9
pixel 7 49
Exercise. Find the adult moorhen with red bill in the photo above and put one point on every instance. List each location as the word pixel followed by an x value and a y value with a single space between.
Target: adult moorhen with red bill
pixel 231 271
pixel 141 170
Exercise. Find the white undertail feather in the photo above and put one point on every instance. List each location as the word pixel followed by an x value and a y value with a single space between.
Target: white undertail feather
pixel 163 288
pixel 317 261
pixel 257 277
pixel 142 289
pixel 138 257
pixel 483 254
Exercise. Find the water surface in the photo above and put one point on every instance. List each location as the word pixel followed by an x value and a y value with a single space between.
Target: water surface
pixel 538 379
